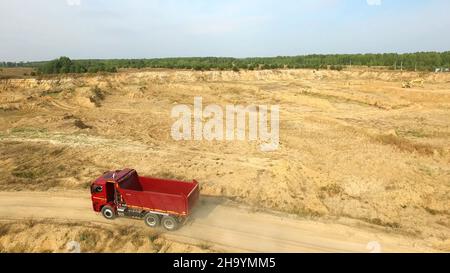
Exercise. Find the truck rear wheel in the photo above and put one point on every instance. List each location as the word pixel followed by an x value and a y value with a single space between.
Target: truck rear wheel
pixel 152 220
pixel 108 212
pixel 169 223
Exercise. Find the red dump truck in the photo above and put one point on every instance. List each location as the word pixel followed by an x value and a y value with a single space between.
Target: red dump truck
pixel 157 201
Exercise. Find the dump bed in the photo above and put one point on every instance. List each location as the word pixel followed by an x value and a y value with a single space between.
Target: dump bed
pixel 156 194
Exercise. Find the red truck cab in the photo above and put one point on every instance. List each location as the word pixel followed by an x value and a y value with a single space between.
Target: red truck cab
pixel 157 201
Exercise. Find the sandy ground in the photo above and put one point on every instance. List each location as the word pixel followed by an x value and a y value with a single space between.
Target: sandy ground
pixel 355 146
pixel 216 225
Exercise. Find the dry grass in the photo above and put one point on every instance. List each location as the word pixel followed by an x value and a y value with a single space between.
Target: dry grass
pixel 169 175
pixel 332 190
pixel 34 236
pixel 15 72
pixel 406 145
pixel 29 172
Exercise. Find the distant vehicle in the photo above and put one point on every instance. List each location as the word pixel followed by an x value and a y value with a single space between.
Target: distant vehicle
pixel 441 69
pixel 157 201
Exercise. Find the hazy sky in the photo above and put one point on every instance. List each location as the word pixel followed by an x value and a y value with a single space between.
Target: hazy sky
pixel 46 29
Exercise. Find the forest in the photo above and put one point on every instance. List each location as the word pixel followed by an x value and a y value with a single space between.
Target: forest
pixel 420 61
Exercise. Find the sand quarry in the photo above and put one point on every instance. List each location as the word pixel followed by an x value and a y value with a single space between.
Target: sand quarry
pixel 356 149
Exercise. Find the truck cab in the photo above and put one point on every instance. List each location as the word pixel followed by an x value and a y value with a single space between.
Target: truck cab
pixel 103 191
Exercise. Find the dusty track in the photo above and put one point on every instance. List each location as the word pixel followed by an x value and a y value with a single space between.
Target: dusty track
pixel 225 227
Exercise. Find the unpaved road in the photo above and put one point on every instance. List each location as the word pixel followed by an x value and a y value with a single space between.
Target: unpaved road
pixel 223 227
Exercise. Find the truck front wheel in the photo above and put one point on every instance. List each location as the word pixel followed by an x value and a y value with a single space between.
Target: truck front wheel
pixel 108 212
pixel 169 223
pixel 151 220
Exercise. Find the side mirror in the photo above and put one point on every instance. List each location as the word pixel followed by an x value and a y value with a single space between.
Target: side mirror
pixel 96 189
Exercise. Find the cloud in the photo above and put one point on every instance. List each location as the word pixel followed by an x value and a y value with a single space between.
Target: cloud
pixel 73 2
pixel 374 2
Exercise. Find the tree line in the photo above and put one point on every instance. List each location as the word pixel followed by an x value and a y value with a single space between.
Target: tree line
pixel 420 61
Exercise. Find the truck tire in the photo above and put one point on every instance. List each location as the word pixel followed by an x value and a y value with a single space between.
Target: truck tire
pixel 169 223
pixel 152 220
pixel 108 212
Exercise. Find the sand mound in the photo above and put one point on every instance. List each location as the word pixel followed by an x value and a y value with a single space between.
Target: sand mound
pixel 353 143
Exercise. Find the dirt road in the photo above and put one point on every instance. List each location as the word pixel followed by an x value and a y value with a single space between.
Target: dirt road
pixel 224 227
